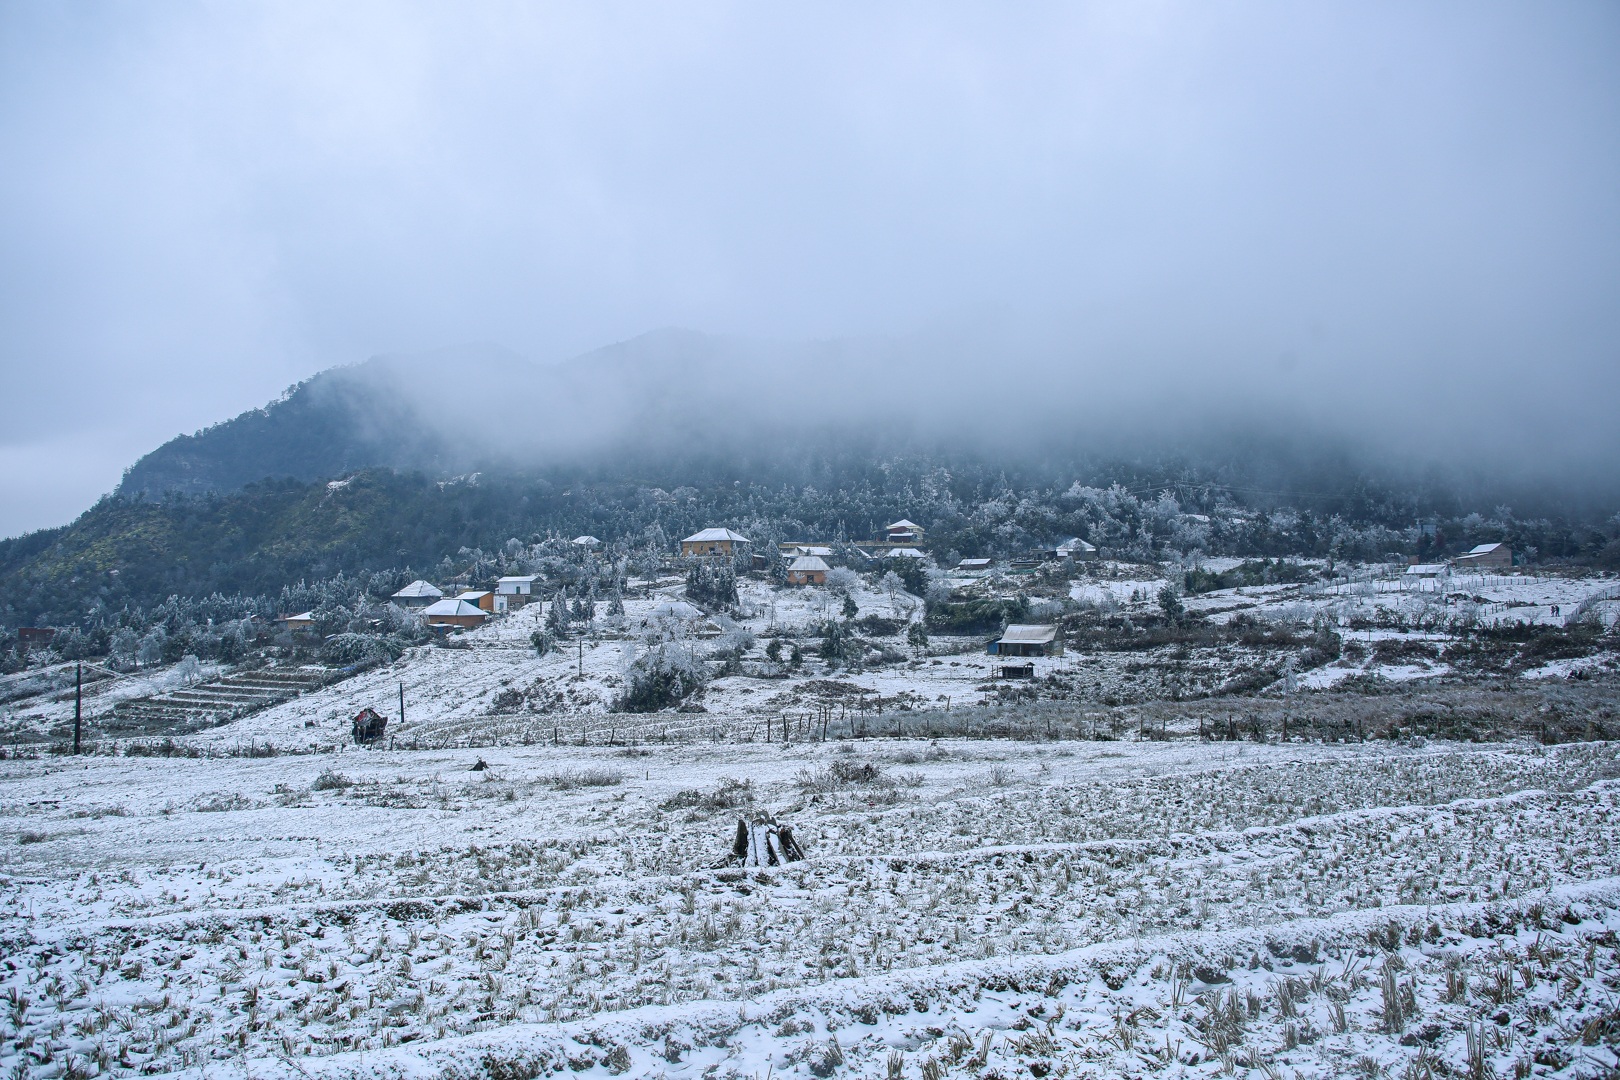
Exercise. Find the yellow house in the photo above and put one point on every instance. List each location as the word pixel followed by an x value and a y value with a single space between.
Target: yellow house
pixel 808 570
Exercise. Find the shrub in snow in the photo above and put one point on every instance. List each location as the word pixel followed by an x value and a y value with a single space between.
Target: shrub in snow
pixel 349 649
pixel 573 779
pixel 331 781
pixel 731 644
pixel 728 794
pixel 660 676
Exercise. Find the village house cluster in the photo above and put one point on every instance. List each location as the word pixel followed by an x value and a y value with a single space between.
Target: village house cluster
pixel 807 563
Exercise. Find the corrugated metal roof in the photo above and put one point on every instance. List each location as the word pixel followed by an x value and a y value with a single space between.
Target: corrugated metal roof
pixel 712 535
pixel 1029 634
pixel 808 562
pixel 903 524
pixel 452 607
pixel 1484 549
pixel 419 588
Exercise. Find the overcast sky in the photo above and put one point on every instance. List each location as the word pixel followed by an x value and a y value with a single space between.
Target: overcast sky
pixel 203 203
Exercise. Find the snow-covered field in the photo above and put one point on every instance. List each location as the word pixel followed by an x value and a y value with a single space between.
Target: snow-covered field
pixel 969 908
pixel 521 882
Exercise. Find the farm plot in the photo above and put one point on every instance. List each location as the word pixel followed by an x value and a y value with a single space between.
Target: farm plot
pixel 221 914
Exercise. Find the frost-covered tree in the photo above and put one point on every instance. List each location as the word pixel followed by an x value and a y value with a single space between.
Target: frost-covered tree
pixel 557 614
pixel 892 587
pixel 151 647
pixel 710 584
pixel 125 644
pixel 1170 602
pixel 189 669
pixel 842 580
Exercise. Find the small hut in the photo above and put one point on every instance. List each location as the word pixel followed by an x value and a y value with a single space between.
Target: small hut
pixel 1028 639
pixel 369 726
pixel 808 570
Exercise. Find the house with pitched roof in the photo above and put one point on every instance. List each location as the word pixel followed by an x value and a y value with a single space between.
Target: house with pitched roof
pixel 712 543
pixel 1027 639
pixel 455 612
pixel 904 532
pixel 417 595
pixel 808 570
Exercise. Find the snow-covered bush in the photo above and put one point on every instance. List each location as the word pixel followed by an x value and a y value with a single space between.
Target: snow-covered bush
pixel 842 580
pixel 660 676
pixel 350 649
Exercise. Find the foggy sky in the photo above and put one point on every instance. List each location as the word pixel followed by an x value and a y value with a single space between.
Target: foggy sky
pixel 1395 219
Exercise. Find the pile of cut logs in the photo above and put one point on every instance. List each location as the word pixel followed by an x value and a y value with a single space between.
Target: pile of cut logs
pixel 764 843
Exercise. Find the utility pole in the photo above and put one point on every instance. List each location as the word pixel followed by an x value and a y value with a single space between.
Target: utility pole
pixel 78 706
pixel 402 703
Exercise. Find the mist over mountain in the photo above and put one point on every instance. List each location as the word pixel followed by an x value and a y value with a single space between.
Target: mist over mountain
pixel 673 405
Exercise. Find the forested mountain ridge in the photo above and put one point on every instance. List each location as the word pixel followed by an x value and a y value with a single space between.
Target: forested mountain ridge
pixel 137 551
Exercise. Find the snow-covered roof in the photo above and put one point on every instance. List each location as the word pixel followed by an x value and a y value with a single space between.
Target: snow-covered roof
pixel 711 535
pixel 473 595
pixel 808 549
pixel 1483 549
pixel 676 609
pixel 586 541
pixel 1074 543
pixel 973 564
pixel 454 606
pixel 906 553
pixel 1030 634
pixel 1431 569
pixel 902 524
pixel 530 578
pixel 307 616
pixel 805 563
pixel 418 588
